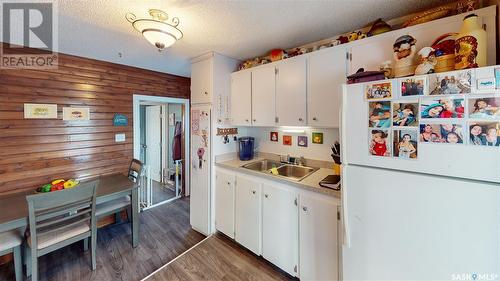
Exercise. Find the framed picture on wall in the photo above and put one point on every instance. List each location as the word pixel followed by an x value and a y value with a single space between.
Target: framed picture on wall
pixel 40 111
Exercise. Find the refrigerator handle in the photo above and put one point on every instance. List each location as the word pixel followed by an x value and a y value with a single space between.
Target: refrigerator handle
pixel 346 239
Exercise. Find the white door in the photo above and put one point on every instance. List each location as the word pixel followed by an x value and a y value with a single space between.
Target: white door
pixel 200 169
pixel 224 202
pixel 201 77
pixel 263 96
pixel 279 227
pixel 318 238
pixel 326 73
pixel 291 92
pixel 153 141
pixel 248 213
pixel 241 98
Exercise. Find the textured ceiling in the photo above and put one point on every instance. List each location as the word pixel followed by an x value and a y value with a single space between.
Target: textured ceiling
pixel 239 29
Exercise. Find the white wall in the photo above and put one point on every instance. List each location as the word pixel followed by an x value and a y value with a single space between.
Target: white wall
pixel 313 151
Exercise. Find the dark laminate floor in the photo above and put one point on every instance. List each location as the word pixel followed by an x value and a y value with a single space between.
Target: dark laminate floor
pixel 219 258
pixel 162 192
pixel 164 234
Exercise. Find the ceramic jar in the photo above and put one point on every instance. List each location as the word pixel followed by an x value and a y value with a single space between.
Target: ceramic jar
pixel 470 44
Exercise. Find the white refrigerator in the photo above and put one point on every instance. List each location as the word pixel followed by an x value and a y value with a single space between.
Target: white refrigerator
pixel 436 217
pixel 201 150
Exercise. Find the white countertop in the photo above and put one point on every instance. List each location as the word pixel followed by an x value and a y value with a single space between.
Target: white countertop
pixel 311 182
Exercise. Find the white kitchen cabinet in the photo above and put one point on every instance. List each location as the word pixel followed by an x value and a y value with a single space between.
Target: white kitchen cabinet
pixel 280 227
pixel 248 213
pixel 201 81
pixel 241 98
pixel 325 76
pixel 263 96
pixel 291 90
pixel 224 202
pixel 318 238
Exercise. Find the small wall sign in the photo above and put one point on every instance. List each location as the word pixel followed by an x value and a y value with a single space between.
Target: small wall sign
pixel 287 140
pixel 273 136
pixel 302 141
pixel 317 138
pixel 76 113
pixel 120 120
pixel 40 111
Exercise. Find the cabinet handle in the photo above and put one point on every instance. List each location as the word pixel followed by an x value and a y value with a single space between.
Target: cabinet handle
pixel 266 195
pixel 228 183
pixel 300 119
pixel 315 119
pixel 253 192
pixel 304 208
pixel 246 120
pixel 254 120
pixel 206 93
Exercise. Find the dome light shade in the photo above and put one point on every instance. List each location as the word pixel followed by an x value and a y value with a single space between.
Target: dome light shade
pixel 160 32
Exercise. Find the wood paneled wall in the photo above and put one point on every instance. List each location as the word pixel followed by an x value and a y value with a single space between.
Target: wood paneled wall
pixel 34 151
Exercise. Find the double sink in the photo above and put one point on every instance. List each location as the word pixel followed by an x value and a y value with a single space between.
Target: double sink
pixel 289 171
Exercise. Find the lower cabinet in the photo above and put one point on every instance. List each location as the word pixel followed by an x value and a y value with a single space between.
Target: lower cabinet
pixel 318 238
pixel 224 202
pixel 247 214
pixel 295 229
pixel 279 227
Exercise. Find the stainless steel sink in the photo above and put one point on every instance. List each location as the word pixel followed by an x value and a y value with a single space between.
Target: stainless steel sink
pixel 295 172
pixel 263 165
pixel 288 171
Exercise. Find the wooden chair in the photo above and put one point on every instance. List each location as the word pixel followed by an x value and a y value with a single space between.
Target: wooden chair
pixel 123 203
pixel 10 242
pixel 58 219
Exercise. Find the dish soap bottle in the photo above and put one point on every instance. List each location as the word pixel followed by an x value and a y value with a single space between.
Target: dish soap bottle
pixel 470 45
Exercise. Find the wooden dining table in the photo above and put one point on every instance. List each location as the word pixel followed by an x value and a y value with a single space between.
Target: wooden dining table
pixel 14 207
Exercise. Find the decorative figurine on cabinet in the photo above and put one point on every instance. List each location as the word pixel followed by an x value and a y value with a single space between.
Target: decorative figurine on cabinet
pixel 404 56
pixel 427 61
pixel 470 45
pixel 387 69
pixel 444 50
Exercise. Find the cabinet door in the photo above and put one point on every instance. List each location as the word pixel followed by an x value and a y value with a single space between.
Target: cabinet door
pixel 280 227
pixel 201 77
pixel 326 74
pixel 318 239
pixel 241 98
pixel 224 202
pixel 291 92
pixel 263 96
pixel 248 213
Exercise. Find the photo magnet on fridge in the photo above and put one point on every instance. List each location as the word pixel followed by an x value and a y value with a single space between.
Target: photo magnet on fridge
pixel 450 83
pixel 446 133
pixel 379 114
pixel 413 86
pixel 380 144
pixel 443 107
pixel 405 114
pixel 377 91
pixel 484 108
pixel 484 133
pixel 405 143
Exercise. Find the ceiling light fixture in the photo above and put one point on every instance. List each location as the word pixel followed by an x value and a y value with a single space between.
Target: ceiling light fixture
pixel 159 31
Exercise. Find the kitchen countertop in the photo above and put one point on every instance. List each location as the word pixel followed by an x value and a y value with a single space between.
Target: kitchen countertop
pixel 311 182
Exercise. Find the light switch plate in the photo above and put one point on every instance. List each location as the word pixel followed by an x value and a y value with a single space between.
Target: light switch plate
pixel 119 137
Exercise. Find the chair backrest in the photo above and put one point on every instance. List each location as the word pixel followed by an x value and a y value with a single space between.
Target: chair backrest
pixel 51 211
pixel 134 171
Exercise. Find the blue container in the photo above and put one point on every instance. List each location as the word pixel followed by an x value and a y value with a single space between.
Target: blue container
pixel 245 148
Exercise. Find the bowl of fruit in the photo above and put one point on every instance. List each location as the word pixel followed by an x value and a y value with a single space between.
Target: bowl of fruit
pixel 56 185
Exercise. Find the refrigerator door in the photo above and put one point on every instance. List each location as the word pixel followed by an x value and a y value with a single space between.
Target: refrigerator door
pixel 405 226
pixel 462 160
pixel 200 169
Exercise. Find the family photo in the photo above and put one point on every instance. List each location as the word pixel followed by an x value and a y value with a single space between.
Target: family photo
pixel 443 108
pixel 484 108
pixel 378 91
pixel 414 86
pixel 450 83
pixel 379 114
pixel 405 143
pixel 484 133
pixel 405 114
pixel 379 143
pixel 441 133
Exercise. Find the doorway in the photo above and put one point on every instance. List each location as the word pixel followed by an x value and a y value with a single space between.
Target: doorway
pixel 160 143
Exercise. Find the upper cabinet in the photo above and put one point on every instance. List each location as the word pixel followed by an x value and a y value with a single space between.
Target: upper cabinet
pixel 201 82
pixel 263 96
pixel 241 98
pixel 291 92
pixel 325 76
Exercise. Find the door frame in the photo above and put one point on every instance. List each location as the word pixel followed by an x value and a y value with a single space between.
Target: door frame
pixel 137 99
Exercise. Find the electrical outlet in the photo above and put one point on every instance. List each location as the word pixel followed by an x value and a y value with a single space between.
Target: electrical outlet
pixel 119 137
